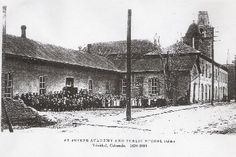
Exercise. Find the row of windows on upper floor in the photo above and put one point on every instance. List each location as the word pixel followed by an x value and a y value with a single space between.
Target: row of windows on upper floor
pixel 206 71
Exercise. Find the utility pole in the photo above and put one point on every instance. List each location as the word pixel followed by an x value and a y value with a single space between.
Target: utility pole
pixel 212 79
pixel 234 77
pixel 128 91
pixel 2 57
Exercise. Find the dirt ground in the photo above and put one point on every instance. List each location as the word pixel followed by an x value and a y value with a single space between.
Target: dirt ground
pixel 191 119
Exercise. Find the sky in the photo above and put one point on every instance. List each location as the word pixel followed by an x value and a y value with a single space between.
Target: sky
pixel 74 23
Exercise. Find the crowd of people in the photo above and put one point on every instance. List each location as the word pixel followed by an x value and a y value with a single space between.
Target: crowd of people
pixel 66 101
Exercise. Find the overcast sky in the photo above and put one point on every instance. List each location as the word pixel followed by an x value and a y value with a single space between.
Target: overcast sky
pixel 74 23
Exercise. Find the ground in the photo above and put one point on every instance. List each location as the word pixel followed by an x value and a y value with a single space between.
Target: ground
pixel 190 119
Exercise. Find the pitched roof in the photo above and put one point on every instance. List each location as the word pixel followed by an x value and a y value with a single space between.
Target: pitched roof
pixel 151 64
pixel 25 47
pixel 120 47
pixel 180 48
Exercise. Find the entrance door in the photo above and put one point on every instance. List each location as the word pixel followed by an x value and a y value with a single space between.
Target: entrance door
pixel 69 82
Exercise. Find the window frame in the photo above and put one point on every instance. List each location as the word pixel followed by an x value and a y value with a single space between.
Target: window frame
pixel 108 87
pixel 154 86
pixel 123 86
pixel 71 80
pixel 42 86
pixel 90 85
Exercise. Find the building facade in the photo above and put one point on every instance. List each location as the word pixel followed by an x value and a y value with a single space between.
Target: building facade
pixel 180 71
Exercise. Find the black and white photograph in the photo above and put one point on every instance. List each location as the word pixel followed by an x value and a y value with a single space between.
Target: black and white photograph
pixel 121 75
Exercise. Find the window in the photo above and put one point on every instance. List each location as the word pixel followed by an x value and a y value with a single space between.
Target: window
pixel 42 88
pixel 107 87
pixel 90 86
pixel 8 85
pixel 209 94
pixel 206 92
pixel 206 69
pixel 216 74
pixel 123 86
pixel 70 82
pixel 138 81
pixel 216 93
pixel 154 86
pixel 202 91
pixel 203 70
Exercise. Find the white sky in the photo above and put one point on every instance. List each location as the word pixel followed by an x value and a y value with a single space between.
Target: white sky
pixel 73 23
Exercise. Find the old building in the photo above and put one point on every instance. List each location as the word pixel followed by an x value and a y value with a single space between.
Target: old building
pixel 189 62
pixel 180 71
pixel 200 36
pixel 31 66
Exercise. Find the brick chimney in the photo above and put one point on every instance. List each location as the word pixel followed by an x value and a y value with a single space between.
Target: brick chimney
pixel 23 31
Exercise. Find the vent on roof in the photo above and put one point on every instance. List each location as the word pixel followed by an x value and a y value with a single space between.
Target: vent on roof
pixel 23 31
pixel 89 48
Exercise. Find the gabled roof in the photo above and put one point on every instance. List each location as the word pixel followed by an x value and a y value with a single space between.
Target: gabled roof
pixel 180 48
pixel 24 47
pixel 177 48
pixel 154 64
pixel 119 47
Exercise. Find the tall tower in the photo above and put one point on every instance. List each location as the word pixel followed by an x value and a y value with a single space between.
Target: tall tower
pixel 206 31
pixel 200 35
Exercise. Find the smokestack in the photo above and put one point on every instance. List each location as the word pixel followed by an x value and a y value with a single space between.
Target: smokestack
pixel 23 31
pixel 4 11
pixel 89 48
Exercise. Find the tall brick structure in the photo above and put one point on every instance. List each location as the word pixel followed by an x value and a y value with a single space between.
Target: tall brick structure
pixel 200 34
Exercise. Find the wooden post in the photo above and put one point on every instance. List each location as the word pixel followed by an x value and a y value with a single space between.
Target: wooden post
pixel 128 90
pixel 212 79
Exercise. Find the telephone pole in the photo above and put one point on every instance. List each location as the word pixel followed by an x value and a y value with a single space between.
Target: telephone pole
pixel 128 88
pixel 212 79
pixel 234 77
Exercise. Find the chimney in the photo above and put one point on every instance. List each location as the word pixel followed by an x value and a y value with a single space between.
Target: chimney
pixel 89 48
pixel 23 31
pixel 4 11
